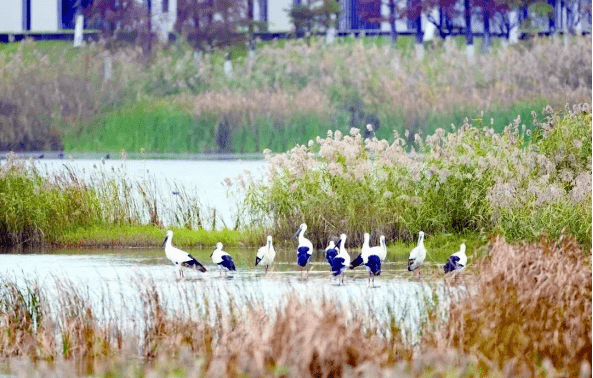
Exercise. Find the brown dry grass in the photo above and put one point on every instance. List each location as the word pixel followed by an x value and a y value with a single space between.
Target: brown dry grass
pixel 530 316
pixel 275 104
pixel 533 304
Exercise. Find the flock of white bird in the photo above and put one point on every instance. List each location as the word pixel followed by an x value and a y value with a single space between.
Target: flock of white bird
pixel 336 255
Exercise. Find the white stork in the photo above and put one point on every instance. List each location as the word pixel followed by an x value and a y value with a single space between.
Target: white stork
pixel 265 255
pixel 456 261
pixel 330 252
pixel 342 260
pixel 222 259
pixel 179 257
pixel 418 254
pixel 304 249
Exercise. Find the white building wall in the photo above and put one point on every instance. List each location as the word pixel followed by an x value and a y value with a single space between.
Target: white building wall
pixel 11 16
pixel 163 22
pixel 278 20
pixel 400 25
pixel 44 15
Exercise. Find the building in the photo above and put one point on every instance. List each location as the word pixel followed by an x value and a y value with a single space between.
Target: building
pixel 52 16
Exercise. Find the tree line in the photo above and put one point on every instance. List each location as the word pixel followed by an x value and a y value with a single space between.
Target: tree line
pixel 208 24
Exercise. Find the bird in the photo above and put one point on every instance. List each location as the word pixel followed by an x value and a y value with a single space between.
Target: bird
pixel 380 250
pixel 222 259
pixel 304 249
pixel 265 255
pixel 417 254
pixel 342 260
pixel 179 257
pixel 456 261
pixel 41 156
pixel 330 252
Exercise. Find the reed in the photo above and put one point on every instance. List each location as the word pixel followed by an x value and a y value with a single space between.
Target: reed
pixel 78 208
pixel 34 208
pixel 515 183
pixel 286 92
pixel 530 315
pixel 532 309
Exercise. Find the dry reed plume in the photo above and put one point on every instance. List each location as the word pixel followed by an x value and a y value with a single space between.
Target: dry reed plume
pixel 44 97
pixel 533 304
pixel 262 103
pixel 532 308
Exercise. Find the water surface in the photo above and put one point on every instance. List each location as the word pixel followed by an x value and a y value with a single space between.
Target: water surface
pixel 115 279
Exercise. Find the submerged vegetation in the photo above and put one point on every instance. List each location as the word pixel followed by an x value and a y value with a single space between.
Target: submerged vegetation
pixel 288 93
pixel 531 317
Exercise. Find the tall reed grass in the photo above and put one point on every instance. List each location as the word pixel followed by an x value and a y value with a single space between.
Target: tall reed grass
pixel 288 93
pixel 516 183
pixel 38 208
pixel 532 310
pixel 529 316
pixel 34 208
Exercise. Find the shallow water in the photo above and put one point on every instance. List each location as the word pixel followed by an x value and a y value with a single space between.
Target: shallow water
pixel 114 280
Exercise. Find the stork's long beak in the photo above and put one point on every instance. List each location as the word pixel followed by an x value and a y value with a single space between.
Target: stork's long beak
pixel 213 252
pixel 338 243
pixel 296 233
pixel 164 241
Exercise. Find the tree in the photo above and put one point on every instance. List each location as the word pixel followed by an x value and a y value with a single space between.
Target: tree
pixel 469 35
pixel 121 21
pixel 447 13
pixel 370 11
pixel 214 23
pixel 301 16
pixel 414 12
pixel 312 15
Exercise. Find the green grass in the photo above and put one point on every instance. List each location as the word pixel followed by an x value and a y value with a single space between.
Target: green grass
pixel 167 126
pixel 156 125
pixel 34 209
pixel 110 236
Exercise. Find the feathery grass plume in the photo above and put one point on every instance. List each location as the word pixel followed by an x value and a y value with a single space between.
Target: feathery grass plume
pixel 470 179
pixel 53 97
pixel 533 304
pixel 300 338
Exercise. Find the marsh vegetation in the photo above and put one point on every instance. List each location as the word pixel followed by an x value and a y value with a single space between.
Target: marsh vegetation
pixel 289 93
pixel 488 177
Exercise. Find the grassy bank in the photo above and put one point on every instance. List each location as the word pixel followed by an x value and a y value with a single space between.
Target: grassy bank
pixel 471 180
pixel 290 93
pixel 101 208
pixel 521 322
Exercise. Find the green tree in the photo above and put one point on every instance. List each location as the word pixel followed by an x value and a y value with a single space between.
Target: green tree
pixel 313 15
